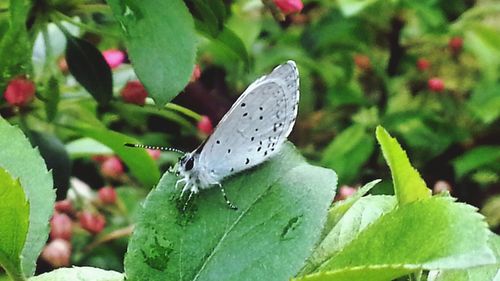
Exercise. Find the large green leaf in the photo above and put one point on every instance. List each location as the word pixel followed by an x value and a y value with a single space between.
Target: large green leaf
pixel 15 60
pixel 79 274
pixel 140 164
pixel 25 163
pixel 435 233
pixel 160 39
pixel 282 209
pixel 348 152
pixel 14 215
pixel 89 68
pixel 408 185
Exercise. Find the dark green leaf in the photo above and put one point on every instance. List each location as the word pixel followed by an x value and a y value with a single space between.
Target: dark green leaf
pixel 282 209
pixel 89 68
pixel 347 153
pixel 161 42
pixel 25 163
pixel 57 159
pixel 408 185
pixel 14 216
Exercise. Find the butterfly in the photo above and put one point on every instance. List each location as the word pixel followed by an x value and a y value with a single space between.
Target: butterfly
pixel 251 132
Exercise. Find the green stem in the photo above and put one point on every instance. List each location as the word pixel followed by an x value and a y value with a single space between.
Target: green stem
pixel 62 17
pixel 183 110
pixel 93 8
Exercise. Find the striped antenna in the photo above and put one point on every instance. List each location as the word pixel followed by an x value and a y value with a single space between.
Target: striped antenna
pixel 154 147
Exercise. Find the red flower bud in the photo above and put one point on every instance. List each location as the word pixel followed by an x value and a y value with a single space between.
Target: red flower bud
pixel 114 58
pixel 289 6
pixel 196 73
pixel 134 92
pixel 93 223
pixel 455 44
pixel 362 62
pixel 100 158
pixel 112 167
pixel 64 206
pixel 60 227
pixel 19 92
pixel 107 195
pixel 57 253
pixel 205 125
pixel 423 64
pixel 436 84
pixel 154 153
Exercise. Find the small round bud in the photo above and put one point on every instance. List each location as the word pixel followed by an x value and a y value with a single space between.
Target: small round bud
pixel 289 6
pixel 205 125
pixel 436 84
pixel 134 92
pixel 113 57
pixel 107 195
pixel 19 92
pixel 57 253
pixel 112 167
pixel 93 223
pixel 60 227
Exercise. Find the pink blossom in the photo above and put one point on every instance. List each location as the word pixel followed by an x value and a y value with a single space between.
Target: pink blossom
pixel 113 57
pixel 289 6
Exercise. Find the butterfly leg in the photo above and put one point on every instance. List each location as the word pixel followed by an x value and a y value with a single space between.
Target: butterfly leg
pixel 229 204
pixel 179 182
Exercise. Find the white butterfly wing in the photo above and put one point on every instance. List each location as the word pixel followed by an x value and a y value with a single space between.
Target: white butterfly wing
pixel 255 126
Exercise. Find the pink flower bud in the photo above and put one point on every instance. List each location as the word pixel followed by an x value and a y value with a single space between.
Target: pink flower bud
pixel 289 6
pixel 19 92
pixel 93 223
pixel 196 73
pixel 60 227
pixel 134 92
pixel 205 125
pixel 64 206
pixel 100 158
pixel 436 84
pixel 57 253
pixel 441 186
pixel 107 195
pixel 112 167
pixel 345 192
pixel 154 153
pixel 113 57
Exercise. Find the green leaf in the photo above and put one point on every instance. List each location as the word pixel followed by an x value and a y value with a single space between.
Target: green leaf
pixel 282 209
pixel 15 60
pixel 160 39
pixel 435 233
pixel 348 152
pixel 89 68
pixel 85 147
pixel 364 212
pixel 476 158
pixel 25 163
pixel 79 274
pixel 52 96
pixel 353 7
pixel 230 43
pixel 408 185
pixel 140 164
pixel 14 215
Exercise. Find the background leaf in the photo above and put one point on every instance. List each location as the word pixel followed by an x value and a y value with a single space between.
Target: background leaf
pixel 348 152
pixel 140 164
pixel 14 215
pixel 161 43
pixel 79 274
pixel 282 208
pixel 408 185
pixel 89 68
pixel 25 163
pixel 481 156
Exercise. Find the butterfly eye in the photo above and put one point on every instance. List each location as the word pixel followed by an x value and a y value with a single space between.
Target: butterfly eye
pixel 189 164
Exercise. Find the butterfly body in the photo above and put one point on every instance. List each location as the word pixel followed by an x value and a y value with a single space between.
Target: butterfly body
pixel 250 133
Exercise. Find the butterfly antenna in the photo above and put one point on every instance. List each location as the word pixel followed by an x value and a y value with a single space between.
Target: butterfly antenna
pixel 154 147
pixel 228 203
